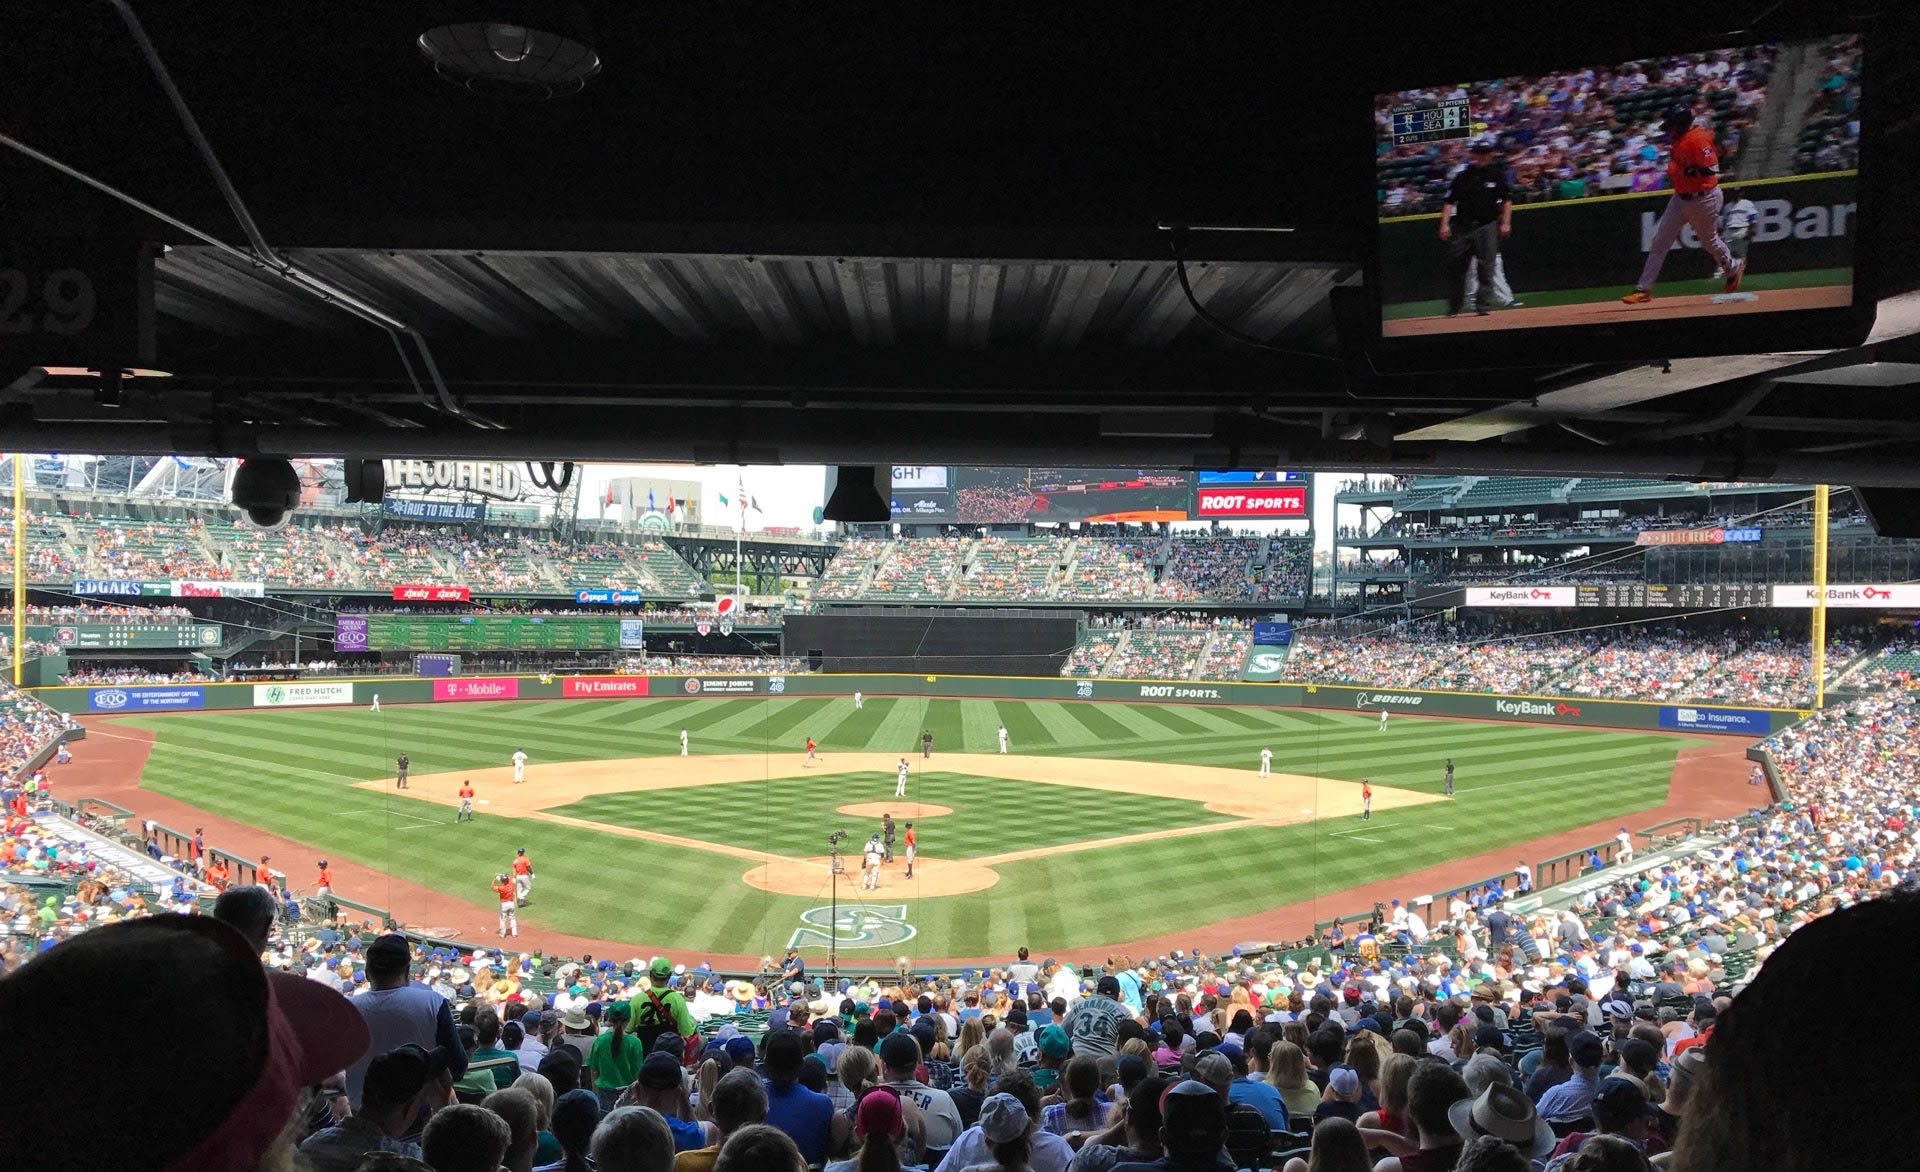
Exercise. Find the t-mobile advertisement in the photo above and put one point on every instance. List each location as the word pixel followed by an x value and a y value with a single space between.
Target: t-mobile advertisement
pixel 350 632
pixel 482 689
pixel 603 687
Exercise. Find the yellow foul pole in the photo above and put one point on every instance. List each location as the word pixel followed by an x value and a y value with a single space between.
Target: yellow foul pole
pixel 1820 495
pixel 19 563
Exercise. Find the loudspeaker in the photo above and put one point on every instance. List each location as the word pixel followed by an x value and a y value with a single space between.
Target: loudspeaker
pixel 1894 512
pixel 861 492
pixel 366 481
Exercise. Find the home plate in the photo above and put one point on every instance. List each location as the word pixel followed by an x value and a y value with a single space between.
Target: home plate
pixel 1729 298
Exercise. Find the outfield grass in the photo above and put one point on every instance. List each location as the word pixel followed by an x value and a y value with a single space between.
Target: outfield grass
pixel 290 773
pixel 990 814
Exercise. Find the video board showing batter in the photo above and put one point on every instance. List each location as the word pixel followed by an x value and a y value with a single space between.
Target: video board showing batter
pixel 1012 496
pixel 1711 183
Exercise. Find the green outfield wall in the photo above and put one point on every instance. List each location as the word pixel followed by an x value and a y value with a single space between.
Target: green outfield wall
pixel 149 699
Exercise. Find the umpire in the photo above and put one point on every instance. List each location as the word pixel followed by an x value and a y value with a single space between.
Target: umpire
pixel 1477 214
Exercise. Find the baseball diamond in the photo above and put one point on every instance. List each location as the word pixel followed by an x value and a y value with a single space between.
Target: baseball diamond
pixel 723 850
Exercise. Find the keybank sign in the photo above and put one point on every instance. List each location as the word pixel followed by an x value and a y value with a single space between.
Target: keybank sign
pixel 1778 219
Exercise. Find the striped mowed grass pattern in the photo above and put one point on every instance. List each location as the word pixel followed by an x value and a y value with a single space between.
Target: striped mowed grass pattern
pixel 290 773
pixel 990 814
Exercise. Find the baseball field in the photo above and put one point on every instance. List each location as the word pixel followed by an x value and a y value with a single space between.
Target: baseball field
pixel 1068 840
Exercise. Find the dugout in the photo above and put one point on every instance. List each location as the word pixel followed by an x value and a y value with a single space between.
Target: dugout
pixel 970 641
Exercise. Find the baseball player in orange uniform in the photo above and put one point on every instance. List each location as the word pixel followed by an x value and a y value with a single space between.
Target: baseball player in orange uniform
pixel 1693 167
pixel 810 759
pixel 910 850
pixel 1366 800
pixel 466 803
pixel 509 923
pixel 522 876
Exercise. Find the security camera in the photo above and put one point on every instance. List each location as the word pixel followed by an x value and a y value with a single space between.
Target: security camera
pixel 267 490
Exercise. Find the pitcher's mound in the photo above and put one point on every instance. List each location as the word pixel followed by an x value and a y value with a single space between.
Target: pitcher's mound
pixel 931 878
pixel 902 810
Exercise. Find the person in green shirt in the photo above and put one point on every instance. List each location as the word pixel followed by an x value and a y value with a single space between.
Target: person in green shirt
pixel 49 911
pixel 615 1057
pixel 486 1027
pixel 647 1020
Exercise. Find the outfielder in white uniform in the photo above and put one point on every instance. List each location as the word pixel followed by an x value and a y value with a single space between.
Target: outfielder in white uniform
pixel 376 701
pixel 519 766
pixel 870 879
pixel 683 742
pixel 1266 762
pixel 859 701
pixel 900 783
pixel 1626 846
pixel 1003 738
pixel 1383 720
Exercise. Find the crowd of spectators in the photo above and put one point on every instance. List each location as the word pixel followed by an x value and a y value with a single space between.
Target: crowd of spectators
pixel 80 613
pixel 918 570
pixel 1288 574
pixel 1577 133
pixel 1019 570
pixel 1829 139
pixel 681 665
pixel 1110 570
pixel 26 727
pixel 1090 655
pixel 132 675
pixel 1226 655
pixel 1158 655
pixel 1733 666
pixel 1208 567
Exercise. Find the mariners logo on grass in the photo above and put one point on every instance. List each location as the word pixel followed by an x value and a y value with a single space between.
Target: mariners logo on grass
pixel 858 925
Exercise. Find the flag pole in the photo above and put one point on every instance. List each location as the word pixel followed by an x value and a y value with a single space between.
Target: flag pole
pixel 739 528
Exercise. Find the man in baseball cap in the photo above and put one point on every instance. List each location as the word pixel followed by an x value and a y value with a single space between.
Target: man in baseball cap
pixel 260 1040
pixel 1193 1129
pixel 390 1101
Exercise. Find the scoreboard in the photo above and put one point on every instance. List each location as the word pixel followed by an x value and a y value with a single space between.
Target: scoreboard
pixel 1684 596
pixel 1431 123
pixel 501 633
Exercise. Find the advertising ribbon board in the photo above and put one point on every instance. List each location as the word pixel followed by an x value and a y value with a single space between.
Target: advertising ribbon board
pixel 480 689
pixel 604 687
pixel 145 698
pixel 292 695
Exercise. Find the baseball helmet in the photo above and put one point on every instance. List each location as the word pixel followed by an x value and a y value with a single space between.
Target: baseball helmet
pixel 523 850
pixel 323 862
pixel 1676 112
pixel 500 878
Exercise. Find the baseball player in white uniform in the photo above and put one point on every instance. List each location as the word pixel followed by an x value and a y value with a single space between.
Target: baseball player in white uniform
pixel 1003 738
pixel 1626 846
pixel 1383 720
pixel 1266 761
pixel 870 877
pixel 683 742
pixel 376 701
pixel 519 766
pixel 900 782
pixel 859 701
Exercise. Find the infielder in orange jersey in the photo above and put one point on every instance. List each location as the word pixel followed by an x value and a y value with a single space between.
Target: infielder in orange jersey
pixel 465 813
pixel 1693 167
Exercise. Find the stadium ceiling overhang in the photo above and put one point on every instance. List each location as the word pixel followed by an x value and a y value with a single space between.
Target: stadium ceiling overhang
pixel 766 262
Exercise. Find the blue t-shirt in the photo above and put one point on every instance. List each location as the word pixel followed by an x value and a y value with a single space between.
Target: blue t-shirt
pixel 1262 1096
pixel 806 1116
pixel 686 1136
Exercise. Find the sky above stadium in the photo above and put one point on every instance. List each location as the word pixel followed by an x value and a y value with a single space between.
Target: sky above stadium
pixel 788 494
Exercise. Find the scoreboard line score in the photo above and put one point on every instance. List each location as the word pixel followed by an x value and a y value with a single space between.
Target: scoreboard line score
pixel 1431 123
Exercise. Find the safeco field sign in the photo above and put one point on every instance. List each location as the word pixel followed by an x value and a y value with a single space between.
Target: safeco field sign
pixel 296 694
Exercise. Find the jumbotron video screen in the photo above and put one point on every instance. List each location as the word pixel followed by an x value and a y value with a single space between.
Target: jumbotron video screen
pixel 1715 182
